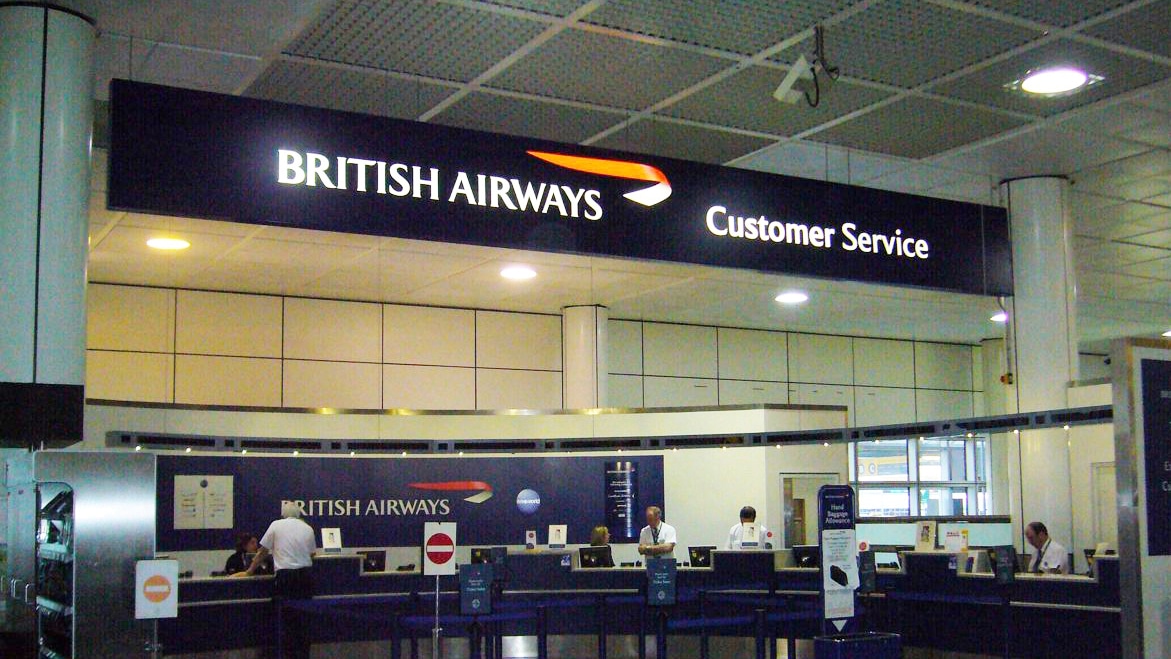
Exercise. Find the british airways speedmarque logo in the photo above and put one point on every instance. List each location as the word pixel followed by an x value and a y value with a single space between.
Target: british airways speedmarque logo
pixel 618 169
pixel 482 489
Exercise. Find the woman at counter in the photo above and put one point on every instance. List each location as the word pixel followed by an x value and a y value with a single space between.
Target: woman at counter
pixel 247 545
pixel 600 537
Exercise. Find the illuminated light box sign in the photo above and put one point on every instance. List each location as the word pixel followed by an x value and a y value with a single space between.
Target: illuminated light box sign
pixel 197 154
pixel 385 502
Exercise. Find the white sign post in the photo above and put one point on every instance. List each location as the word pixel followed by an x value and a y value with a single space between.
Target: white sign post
pixel 438 559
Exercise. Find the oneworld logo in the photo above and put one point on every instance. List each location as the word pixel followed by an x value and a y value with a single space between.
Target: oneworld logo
pixel 636 171
pixel 482 489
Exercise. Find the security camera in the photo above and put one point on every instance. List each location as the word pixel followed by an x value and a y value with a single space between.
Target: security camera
pixel 797 83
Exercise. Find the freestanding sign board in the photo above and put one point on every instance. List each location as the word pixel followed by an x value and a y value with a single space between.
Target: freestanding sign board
pixel 660 574
pixel 475 589
pixel 156 589
pixel 439 548
pixel 1142 455
pixel 839 553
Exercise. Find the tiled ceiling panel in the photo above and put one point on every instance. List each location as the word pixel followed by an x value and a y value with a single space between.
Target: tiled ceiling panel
pixel 324 86
pixel 1144 28
pixel 738 26
pixel 1062 13
pixel 439 40
pixel 909 42
pixel 674 140
pixel 515 116
pixel 1121 73
pixel 606 70
pixel 917 128
pixel 745 100
pixel 549 7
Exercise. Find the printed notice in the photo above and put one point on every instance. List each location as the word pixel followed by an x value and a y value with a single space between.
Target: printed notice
pixel 203 502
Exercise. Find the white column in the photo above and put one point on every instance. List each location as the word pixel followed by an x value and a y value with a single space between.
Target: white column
pixel 1044 339
pixel 46 111
pixel 584 371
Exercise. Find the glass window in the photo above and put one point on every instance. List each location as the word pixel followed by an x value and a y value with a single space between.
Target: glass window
pixel 942 460
pixel 882 460
pixel 943 501
pixel 884 502
pixel 980 459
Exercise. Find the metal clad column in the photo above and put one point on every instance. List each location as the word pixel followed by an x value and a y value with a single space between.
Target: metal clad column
pixel 585 366
pixel 1043 331
pixel 46 119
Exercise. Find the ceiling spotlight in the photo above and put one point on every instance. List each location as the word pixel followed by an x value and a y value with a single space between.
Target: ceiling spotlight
pixel 791 297
pixel 999 317
pixel 1167 334
pixel 518 272
pixel 171 244
pixel 1054 81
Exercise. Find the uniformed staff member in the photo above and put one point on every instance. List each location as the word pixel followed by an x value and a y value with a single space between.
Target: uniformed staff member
pixel 657 538
pixel 1050 557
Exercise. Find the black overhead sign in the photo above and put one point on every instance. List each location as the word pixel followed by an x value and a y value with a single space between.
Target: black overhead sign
pixel 195 154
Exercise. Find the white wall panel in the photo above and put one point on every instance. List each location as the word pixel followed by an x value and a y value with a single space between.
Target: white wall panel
pixel 679 350
pixel 130 318
pixel 333 330
pixel 347 385
pixel 624 347
pixel 428 335
pixel 134 376
pixel 529 390
pixel 228 324
pixel 943 366
pixel 822 359
pixel 938 405
pixel 880 406
pixel 749 392
pixel 428 387
pixel 624 391
pixel 679 392
pixel 752 355
pixel 884 363
pixel 519 341
pixel 201 380
pixel 823 394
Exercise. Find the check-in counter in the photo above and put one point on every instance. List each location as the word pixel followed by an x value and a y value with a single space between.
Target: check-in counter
pixel 925 600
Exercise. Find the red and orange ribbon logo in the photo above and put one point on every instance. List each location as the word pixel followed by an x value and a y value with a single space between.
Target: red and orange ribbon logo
pixel 485 490
pixel 618 169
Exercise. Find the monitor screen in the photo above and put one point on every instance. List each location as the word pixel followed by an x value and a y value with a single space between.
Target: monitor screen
pixel 806 555
pixel 590 557
pixel 373 560
pixel 700 556
pixel 489 555
pixel 886 559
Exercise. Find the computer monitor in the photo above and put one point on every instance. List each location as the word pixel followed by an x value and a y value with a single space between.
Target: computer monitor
pixel 489 555
pixel 806 555
pixel 373 560
pixel 700 556
pixel 591 557
pixel 886 559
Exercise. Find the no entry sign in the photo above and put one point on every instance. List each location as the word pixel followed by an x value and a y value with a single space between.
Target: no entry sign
pixel 439 548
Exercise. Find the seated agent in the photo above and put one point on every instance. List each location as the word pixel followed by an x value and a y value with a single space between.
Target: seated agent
pixel 657 539
pixel 1050 557
pixel 736 533
pixel 246 546
pixel 600 537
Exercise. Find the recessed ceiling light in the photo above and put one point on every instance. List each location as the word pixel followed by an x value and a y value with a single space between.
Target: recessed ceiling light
pixel 518 272
pixel 791 297
pixel 1054 81
pixel 999 317
pixel 1167 334
pixel 168 243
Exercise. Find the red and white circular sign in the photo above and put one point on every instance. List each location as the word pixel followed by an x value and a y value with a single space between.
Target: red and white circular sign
pixel 156 588
pixel 440 548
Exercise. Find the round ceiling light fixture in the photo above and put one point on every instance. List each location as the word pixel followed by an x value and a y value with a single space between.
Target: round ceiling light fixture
pixel 999 317
pixel 518 272
pixel 1167 334
pixel 1055 80
pixel 170 244
pixel 791 297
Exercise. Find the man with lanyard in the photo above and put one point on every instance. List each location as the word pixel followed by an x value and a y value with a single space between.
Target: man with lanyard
pixel 657 539
pixel 291 543
pixel 1050 557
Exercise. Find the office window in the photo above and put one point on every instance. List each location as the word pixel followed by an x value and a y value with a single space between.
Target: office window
pixel 923 476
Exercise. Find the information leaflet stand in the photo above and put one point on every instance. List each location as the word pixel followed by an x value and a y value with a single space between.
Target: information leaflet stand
pixel 839 555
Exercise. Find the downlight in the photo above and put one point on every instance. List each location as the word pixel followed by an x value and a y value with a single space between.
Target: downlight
pixel 168 244
pixel 518 272
pixel 1054 81
pixel 792 297
pixel 999 317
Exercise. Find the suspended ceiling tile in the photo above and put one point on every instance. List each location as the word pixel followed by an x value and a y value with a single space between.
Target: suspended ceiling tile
pixel 1111 256
pixel 910 42
pixel 1045 151
pixel 745 100
pixel 917 128
pixel 548 7
pixel 1156 96
pixel 1062 13
pixel 1144 164
pixel 1120 73
pixel 182 227
pixel 1145 28
pixel 1160 238
pixel 527 118
pixel 738 26
pixel 369 92
pixel 443 41
pixel 1157 291
pixel 1091 283
pixel 1131 121
pixel 663 138
pixel 606 70
pixel 1155 269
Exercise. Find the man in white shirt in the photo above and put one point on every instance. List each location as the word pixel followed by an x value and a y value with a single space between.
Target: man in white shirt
pixel 736 533
pixel 291 543
pixel 657 539
pixel 1049 557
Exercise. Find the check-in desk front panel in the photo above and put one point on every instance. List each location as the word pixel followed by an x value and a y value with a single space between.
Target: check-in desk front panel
pixel 928 603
